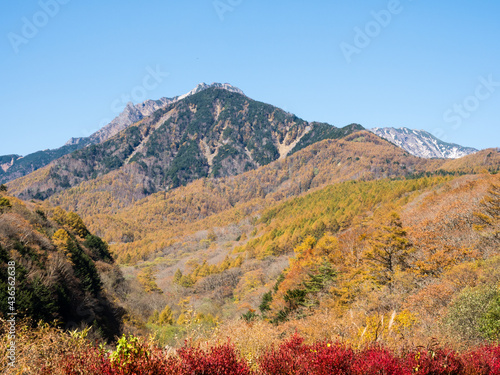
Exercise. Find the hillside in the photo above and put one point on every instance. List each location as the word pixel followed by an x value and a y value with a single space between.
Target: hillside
pixel 16 166
pixel 213 133
pixel 59 269
pixel 109 202
pixel 388 262
pixel 289 262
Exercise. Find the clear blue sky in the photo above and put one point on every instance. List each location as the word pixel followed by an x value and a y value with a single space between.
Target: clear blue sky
pixel 80 64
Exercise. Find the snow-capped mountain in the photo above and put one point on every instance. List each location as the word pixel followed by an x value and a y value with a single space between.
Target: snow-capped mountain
pixel 423 144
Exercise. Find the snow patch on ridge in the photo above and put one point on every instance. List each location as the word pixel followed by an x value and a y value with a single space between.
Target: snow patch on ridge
pixel 422 144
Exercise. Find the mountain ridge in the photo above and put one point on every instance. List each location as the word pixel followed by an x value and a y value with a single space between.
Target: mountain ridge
pixel 133 113
pixel 211 133
pixel 23 165
pixel 422 143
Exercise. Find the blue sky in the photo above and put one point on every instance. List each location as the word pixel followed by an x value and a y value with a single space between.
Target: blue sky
pixel 67 67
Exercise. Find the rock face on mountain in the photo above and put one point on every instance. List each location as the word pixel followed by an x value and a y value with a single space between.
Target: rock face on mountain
pixel 213 133
pixel 422 144
pixel 131 114
pixel 6 161
pixel 215 85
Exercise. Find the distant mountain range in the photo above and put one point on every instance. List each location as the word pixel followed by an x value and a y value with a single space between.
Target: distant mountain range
pixel 423 144
pixel 416 142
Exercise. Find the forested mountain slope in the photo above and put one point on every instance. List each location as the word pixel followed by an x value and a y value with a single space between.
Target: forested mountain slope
pixel 347 256
pixel 58 267
pixel 149 224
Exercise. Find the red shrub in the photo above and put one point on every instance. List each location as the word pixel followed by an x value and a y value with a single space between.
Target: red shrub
pixel 376 361
pixel 482 361
pixel 292 357
pixel 332 359
pixel 219 360
pixel 438 362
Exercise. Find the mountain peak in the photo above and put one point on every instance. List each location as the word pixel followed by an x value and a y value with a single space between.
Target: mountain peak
pixel 133 113
pixel 422 143
pixel 203 86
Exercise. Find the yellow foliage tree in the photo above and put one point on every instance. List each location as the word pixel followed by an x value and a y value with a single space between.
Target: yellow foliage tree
pixel 59 215
pixel 75 222
pixel 389 250
pixel 147 280
pixel 166 317
pixel 60 239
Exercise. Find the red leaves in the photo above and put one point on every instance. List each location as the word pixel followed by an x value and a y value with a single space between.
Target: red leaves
pixel 482 361
pixel 325 358
pixel 434 362
pixel 219 360
pixel 292 357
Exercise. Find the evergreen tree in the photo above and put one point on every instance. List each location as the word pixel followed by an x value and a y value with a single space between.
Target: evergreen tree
pixel 265 305
pixel 100 248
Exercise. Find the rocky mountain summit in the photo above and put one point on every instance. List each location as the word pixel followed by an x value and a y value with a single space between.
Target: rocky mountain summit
pixel 136 112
